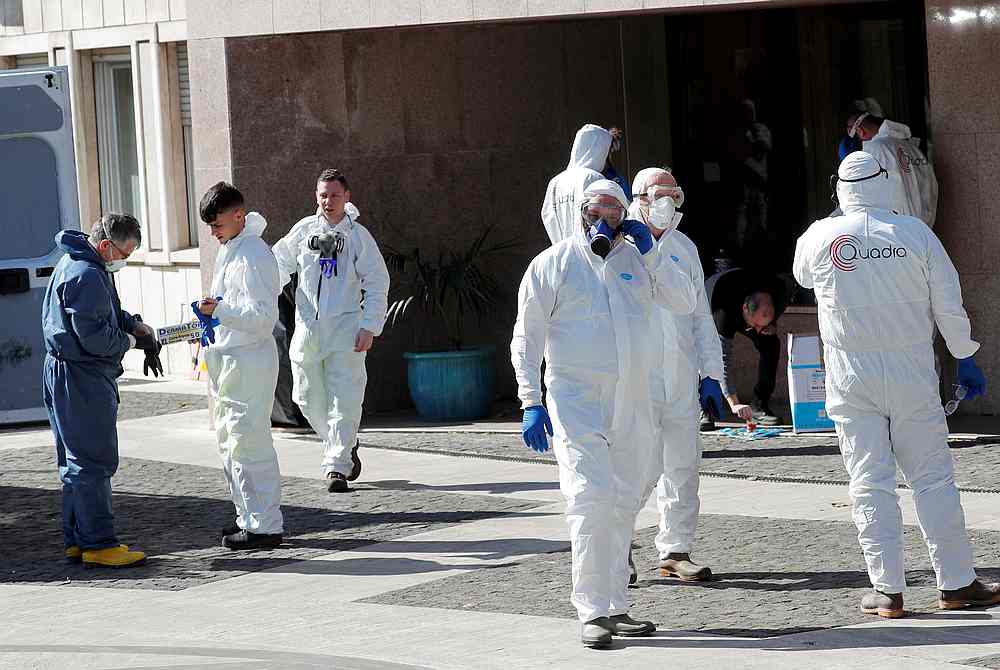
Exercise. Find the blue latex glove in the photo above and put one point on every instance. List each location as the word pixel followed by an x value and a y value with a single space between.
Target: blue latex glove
pixel 971 377
pixel 208 324
pixel 639 233
pixel 710 396
pixel 534 425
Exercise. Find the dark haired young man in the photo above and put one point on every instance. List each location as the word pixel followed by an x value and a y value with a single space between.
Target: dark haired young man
pixel 340 307
pixel 243 366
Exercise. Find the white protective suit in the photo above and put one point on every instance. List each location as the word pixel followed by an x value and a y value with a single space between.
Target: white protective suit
pixel 243 371
pixel 589 319
pixel 882 282
pixel 564 195
pixel 328 376
pixel 914 185
pixel 690 349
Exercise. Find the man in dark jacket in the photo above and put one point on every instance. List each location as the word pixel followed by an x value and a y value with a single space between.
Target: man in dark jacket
pixel 86 336
pixel 748 302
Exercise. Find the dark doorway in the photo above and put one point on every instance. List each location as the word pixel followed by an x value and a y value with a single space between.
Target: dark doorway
pixel 758 104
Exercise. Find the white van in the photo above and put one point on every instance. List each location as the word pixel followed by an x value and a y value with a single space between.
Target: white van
pixel 38 198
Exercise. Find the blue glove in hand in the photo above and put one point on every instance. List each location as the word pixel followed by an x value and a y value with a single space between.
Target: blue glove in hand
pixel 534 426
pixel 710 396
pixel 208 324
pixel 971 377
pixel 639 233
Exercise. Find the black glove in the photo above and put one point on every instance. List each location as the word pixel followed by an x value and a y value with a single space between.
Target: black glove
pixel 152 361
pixel 149 344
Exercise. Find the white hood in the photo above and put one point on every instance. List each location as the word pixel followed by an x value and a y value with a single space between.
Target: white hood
pixel 255 225
pixel 869 186
pixel 590 148
pixel 899 131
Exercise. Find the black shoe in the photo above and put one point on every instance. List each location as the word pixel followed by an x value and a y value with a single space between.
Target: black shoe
pixel 231 530
pixel 705 422
pixel 596 633
pixel 336 483
pixel 625 626
pixel 763 416
pixel 246 540
pixel 355 463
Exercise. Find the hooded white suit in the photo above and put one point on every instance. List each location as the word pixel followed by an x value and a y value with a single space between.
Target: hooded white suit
pixel 882 282
pixel 564 195
pixel 243 371
pixel 589 319
pixel 914 185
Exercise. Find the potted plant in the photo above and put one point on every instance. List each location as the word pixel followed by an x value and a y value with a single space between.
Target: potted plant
pixel 453 289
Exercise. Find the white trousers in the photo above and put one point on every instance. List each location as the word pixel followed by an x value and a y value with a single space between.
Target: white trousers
pixel 602 480
pixel 675 411
pixel 887 411
pixel 242 382
pixel 330 392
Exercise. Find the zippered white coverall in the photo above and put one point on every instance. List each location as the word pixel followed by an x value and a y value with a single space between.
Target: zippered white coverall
pixel 882 282
pixel 243 372
pixel 589 319
pixel 328 375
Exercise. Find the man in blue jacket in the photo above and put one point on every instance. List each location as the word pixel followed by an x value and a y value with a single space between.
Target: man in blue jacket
pixel 86 336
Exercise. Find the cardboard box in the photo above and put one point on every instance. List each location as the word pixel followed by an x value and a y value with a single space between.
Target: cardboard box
pixel 807 385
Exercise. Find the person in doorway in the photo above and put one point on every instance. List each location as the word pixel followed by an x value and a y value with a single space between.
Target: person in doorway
pixel 87 334
pixel 749 303
pixel 586 308
pixel 609 172
pixel 564 194
pixel 243 366
pixel 911 176
pixel 688 375
pixel 340 308
pixel 877 314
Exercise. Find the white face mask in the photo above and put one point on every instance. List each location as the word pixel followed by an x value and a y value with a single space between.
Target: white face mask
pixel 116 265
pixel 663 214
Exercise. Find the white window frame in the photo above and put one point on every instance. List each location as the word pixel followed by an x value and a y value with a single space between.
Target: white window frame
pixel 108 148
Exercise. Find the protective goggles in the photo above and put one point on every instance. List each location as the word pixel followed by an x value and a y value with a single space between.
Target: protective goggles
pixel 595 211
pixel 951 406
pixel 836 178
pixel 853 130
pixel 654 193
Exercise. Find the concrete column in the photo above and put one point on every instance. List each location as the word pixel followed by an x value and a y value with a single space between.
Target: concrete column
pixel 164 166
pixel 963 40
pixel 213 156
pixel 140 135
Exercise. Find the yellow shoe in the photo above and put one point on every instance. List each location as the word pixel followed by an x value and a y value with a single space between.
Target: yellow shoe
pixel 113 557
pixel 74 554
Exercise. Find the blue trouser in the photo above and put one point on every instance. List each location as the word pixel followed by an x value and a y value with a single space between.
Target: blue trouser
pixel 83 409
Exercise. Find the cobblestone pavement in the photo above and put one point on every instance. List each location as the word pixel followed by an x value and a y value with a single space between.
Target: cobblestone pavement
pixel 772 577
pixel 175 512
pixel 142 404
pixel 977 462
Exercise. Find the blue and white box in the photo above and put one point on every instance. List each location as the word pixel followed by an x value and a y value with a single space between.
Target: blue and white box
pixel 807 385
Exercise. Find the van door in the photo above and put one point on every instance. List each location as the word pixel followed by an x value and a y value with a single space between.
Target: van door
pixel 38 198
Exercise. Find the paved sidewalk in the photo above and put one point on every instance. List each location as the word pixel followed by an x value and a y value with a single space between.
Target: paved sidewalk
pixel 505 542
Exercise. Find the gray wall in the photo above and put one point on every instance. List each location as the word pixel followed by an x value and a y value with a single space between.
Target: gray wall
pixel 440 130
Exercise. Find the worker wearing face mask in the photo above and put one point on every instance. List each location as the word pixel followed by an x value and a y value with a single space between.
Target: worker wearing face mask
pixel 687 378
pixel 584 306
pixel 340 307
pixel 86 336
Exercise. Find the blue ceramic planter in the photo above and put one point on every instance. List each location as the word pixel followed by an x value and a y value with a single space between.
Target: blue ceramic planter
pixel 452 385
